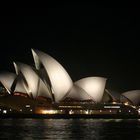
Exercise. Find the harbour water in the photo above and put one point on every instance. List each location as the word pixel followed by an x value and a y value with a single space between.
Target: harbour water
pixel 69 129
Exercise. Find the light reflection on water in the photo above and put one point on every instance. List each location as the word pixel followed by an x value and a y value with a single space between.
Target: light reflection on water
pixel 69 129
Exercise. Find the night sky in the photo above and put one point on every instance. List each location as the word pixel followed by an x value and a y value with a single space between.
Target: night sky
pixel 88 40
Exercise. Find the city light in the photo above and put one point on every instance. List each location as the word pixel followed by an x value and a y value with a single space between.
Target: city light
pixel 48 111
pixel 126 103
pixel 4 111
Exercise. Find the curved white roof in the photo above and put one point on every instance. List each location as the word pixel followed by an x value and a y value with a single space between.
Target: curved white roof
pixel 7 79
pixel 60 81
pixel 20 85
pixel 94 86
pixel 43 90
pixel 133 95
pixel 78 93
pixel 34 85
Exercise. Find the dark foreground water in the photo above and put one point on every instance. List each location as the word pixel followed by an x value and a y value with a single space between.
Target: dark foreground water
pixel 69 129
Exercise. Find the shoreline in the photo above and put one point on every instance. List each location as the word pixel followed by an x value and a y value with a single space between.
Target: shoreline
pixel 67 116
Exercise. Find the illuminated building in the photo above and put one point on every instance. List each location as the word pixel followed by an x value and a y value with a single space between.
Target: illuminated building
pixel 133 96
pixel 47 88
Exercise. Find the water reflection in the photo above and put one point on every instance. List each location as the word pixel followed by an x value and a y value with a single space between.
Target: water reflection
pixel 70 129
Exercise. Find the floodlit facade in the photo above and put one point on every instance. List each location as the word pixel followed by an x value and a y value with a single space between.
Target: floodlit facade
pixel 50 83
pixel 133 96
pixel 78 93
pixel 56 78
pixel 33 82
pixel 93 86
pixel 49 79
pixel 7 79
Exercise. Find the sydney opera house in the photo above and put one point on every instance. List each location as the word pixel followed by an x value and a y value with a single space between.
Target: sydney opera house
pixel 47 89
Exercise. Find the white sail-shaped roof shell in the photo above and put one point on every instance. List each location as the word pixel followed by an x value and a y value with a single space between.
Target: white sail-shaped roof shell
pixel 78 93
pixel 35 85
pixel 43 90
pixel 117 97
pixel 133 95
pixel 7 79
pixel 94 86
pixel 60 81
pixel 20 86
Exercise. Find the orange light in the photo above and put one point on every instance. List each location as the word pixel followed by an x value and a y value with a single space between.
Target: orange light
pixel 48 111
pixel 126 103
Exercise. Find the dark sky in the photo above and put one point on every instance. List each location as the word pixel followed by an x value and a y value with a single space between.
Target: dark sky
pixel 88 40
